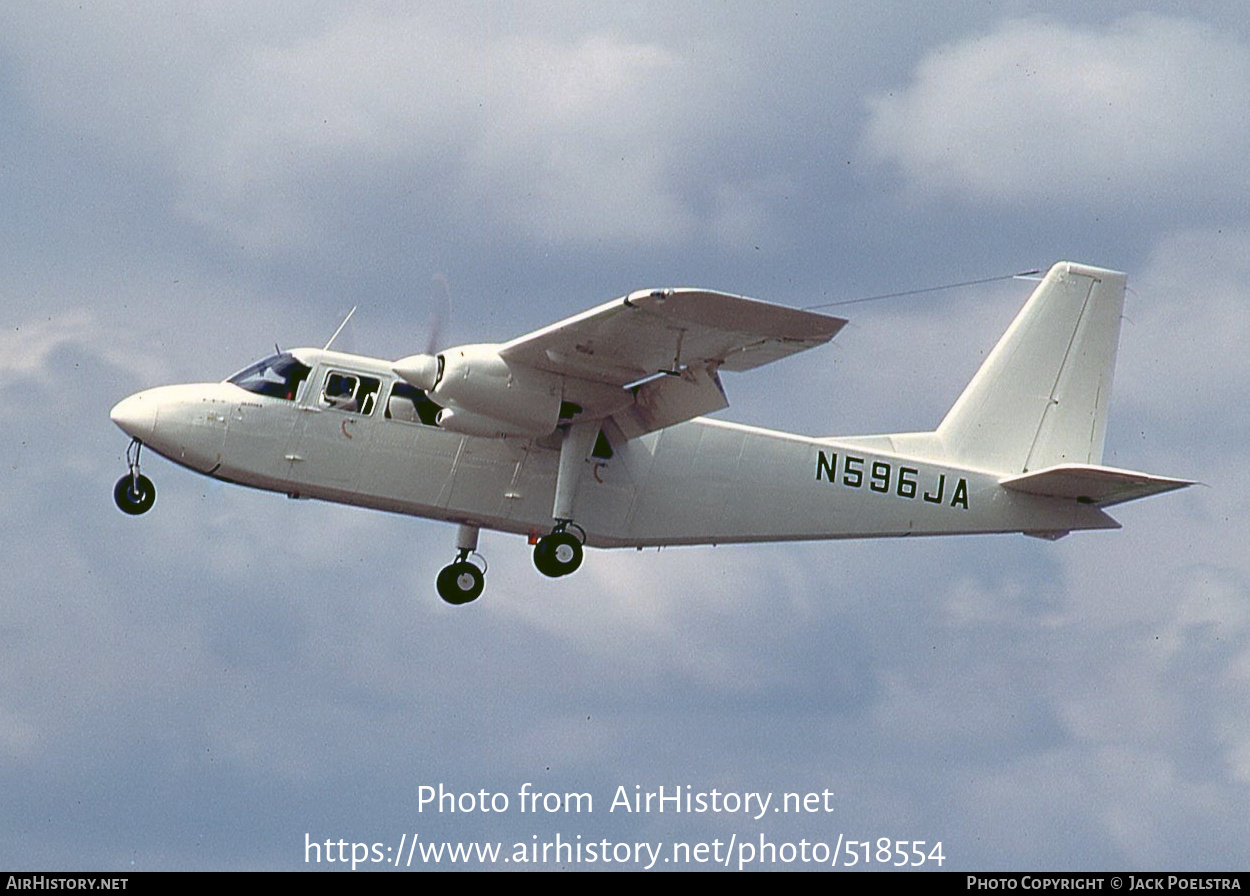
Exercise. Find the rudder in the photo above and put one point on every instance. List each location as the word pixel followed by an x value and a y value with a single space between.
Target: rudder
pixel 1040 398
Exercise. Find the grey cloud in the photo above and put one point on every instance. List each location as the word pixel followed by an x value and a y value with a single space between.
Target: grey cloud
pixel 200 687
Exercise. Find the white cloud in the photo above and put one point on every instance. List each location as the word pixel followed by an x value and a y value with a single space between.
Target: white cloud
pixel 562 139
pixel 1038 111
pixel 270 128
pixel 25 348
pixel 276 131
pixel 28 348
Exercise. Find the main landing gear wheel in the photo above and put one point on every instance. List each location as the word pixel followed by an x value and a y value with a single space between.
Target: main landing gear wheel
pixel 558 554
pixel 134 494
pixel 460 582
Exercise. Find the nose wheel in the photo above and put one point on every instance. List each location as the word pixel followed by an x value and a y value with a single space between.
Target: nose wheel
pixel 560 553
pixel 134 493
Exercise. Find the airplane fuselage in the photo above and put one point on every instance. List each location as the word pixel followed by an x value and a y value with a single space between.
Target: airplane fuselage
pixel 700 482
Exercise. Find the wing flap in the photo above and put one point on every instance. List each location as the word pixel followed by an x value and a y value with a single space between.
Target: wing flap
pixel 668 400
pixel 1091 484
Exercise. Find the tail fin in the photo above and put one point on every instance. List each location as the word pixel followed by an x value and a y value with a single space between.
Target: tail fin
pixel 1040 399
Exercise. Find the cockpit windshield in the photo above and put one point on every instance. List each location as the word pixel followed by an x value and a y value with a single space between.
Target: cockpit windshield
pixel 278 376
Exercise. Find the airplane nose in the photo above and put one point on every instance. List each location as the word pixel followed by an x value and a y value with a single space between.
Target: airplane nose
pixel 136 415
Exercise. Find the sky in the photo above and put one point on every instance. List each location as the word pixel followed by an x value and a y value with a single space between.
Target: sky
pixel 233 676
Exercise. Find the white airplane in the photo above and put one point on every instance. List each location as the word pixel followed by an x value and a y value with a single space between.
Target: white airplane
pixel 590 431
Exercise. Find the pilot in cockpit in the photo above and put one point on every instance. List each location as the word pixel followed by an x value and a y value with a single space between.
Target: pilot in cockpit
pixel 340 392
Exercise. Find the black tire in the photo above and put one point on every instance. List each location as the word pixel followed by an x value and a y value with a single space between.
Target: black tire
pixel 134 494
pixel 558 554
pixel 460 583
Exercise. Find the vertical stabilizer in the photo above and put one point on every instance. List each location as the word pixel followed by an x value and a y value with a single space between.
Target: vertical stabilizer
pixel 1041 396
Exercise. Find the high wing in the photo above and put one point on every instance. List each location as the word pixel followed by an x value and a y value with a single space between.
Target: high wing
pixel 662 331
pixel 666 347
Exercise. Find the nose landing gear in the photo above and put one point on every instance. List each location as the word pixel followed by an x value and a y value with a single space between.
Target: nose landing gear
pixel 134 493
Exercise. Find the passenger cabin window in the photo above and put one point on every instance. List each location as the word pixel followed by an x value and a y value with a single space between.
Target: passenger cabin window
pixel 350 392
pixel 409 404
pixel 278 376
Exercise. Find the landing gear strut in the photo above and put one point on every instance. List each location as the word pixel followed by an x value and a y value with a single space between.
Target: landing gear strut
pixel 134 493
pixel 461 581
pixel 560 553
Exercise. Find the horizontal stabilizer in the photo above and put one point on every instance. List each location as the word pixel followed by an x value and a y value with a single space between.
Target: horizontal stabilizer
pixel 1090 484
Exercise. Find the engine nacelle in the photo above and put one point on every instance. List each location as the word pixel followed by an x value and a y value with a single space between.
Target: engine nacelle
pixel 467 424
pixel 483 395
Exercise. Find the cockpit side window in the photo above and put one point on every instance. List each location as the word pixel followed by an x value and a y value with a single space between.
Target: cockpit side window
pixel 278 376
pixel 350 392
pixel 411 405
